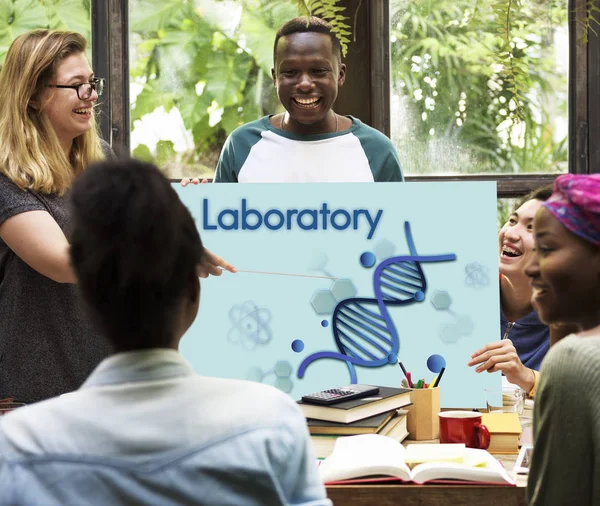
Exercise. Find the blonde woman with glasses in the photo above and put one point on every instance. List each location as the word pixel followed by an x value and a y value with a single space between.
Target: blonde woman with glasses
pixel 48 136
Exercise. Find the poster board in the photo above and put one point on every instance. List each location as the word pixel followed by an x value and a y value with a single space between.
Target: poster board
pixel 376 273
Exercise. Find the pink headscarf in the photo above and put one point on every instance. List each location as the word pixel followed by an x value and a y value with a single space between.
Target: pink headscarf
pixel 576 204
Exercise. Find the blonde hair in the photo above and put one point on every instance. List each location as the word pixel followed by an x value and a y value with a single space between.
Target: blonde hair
pixel 30 153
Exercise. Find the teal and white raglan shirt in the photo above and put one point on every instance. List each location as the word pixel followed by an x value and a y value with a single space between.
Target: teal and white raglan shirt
pixel 257 152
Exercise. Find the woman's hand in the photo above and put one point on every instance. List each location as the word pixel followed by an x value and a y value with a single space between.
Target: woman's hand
pixel 502 356
pixel 213 265
pixel 186 180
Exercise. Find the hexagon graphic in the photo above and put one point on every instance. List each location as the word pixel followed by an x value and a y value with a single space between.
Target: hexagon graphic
pixel 323 302
pixel 464 325
pixel 283 369
pixel 441 300
pixel 384 249
pixel 284 384
pixel 449 333
pixel 343 289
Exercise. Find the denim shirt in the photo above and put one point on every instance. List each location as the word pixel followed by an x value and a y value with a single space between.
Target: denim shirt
pixel 145 429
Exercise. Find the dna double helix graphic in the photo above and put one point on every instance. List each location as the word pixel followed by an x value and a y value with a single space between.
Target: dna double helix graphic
pixel 362 327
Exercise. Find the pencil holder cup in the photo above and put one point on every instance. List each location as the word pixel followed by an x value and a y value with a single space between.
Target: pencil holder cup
pixel 422 420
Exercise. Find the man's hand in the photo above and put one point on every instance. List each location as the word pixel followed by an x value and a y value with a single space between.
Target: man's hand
pixel 186 180
pixel 503 356
pixel 213 265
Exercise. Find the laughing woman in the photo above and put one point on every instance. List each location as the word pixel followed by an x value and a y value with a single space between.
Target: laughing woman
pixel 565 277
pixel 524 338
pixel 47 136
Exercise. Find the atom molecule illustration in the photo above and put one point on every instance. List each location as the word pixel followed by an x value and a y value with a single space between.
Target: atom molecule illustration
pixel 250 325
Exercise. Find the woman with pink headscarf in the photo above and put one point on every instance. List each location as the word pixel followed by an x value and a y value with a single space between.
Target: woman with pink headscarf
pixel 565 277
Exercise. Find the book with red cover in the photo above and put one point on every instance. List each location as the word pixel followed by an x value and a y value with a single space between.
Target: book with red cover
pixel 371 456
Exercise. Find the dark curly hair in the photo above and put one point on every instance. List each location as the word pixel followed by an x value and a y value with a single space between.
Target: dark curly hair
pixel 135 249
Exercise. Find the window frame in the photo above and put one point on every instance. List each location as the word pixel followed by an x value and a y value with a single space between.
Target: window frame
pixel 110 58
pixel 368 62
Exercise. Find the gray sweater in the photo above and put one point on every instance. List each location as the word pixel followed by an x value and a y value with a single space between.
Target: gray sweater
pixel 565 468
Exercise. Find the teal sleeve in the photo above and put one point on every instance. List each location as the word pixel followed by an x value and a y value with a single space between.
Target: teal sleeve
pixel 390 170
pixel 237 149
pixel 226 168
pixel 381 153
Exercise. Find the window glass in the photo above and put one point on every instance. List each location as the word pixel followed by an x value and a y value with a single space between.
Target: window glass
pixel 21 16
pixel 453 109
pixel 199 69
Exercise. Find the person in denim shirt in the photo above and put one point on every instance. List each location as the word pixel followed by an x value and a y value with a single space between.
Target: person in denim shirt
pixel 144 428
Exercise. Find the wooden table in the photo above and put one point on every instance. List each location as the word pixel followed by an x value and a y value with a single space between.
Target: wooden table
pixel 437 495
pixel 432 495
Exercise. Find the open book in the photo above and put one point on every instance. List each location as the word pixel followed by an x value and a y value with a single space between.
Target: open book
pixel 370 455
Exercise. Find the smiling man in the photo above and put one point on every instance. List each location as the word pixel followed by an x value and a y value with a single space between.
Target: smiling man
pixel 309 142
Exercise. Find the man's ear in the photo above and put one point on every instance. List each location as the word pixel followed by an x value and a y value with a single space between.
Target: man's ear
pixel 274 76
pixel 342 74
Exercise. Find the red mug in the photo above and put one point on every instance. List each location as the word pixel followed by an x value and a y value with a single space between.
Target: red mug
pixel 464 427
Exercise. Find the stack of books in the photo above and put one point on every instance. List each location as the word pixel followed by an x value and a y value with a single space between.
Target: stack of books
pixel 381 414
pixel 505 432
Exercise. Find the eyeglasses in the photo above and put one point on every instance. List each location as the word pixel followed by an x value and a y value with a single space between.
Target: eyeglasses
pixel 84 90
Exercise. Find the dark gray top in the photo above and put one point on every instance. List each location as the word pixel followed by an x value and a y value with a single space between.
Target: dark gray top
pixel 47 345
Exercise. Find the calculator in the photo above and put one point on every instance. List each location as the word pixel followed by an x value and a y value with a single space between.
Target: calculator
pixel 334 395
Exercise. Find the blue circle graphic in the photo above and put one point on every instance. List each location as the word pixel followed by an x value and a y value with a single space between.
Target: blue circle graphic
pixel 392 358
pixel 367 259
pixel 297 345
pixel 324 323
pixel 419 296
pixel 435 363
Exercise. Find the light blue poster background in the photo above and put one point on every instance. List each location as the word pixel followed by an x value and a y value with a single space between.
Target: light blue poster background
pixel 262 327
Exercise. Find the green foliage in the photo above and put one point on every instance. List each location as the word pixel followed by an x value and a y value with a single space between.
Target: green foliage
pixel 21 16
pixel 331 11
pixel 215 73
pixel 515 70
pixel 142 152
pixel 591 17
pixel 460 113
pixel 505 207
pixel 479 69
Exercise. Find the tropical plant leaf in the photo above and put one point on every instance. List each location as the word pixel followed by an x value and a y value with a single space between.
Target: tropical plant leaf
pixel 69 15
pixel 152 15
pixel 592 18
pixel 331 11
pixel 193 107
pixel 165 152
pixel 226 77
pixel 150 98
pixel 515 70
pixel 142 152
pixel 18 17
pixel 259 39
